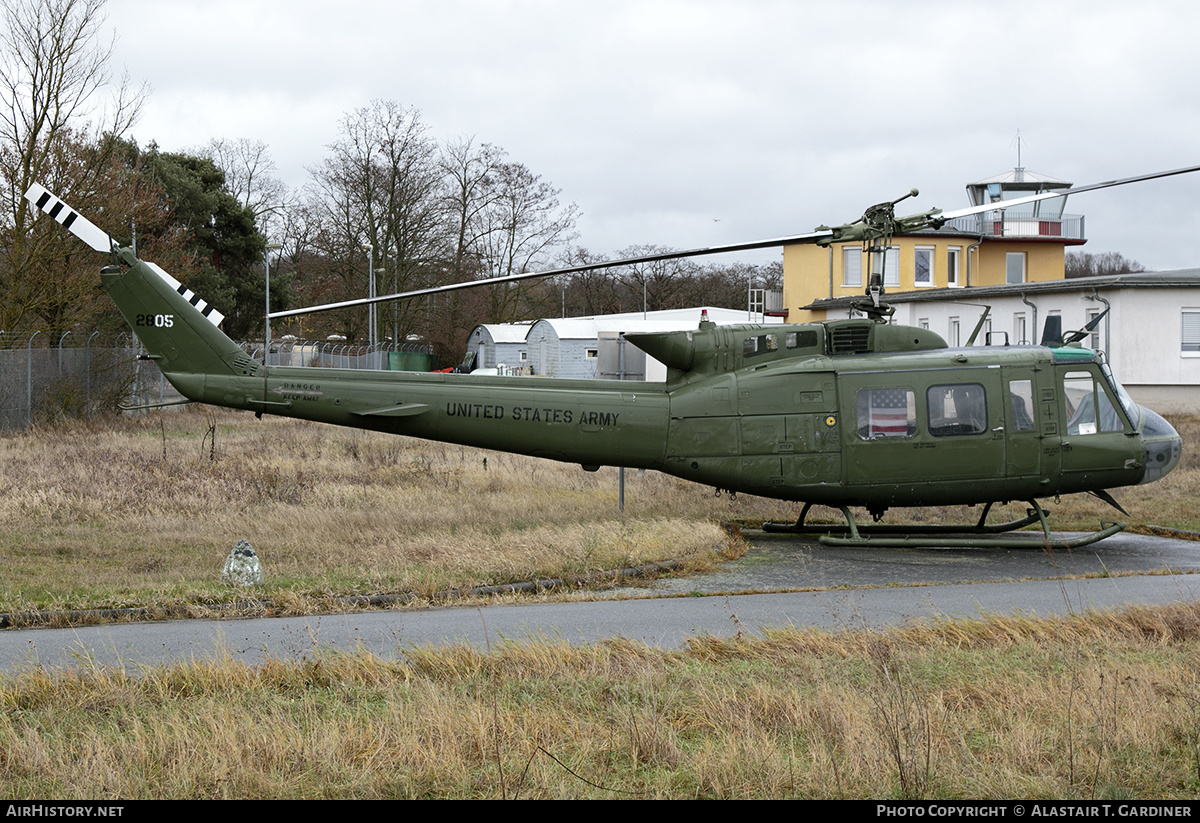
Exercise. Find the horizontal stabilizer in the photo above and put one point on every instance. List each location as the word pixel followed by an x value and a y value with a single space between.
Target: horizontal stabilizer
pixel 80 226
pixel 406 410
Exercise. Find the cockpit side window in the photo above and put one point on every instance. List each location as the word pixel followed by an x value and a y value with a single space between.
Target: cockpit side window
pixel 1089 407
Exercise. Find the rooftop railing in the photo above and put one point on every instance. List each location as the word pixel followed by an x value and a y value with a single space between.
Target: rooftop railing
pixel 999 225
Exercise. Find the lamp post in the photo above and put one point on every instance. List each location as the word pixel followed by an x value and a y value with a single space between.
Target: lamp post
pixel 267 328
pixel 395 288
pixel 370 249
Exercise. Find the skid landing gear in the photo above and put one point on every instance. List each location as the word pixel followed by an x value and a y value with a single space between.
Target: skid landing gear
pixel 980 536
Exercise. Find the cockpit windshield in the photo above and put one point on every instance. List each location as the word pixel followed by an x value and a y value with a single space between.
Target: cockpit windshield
pixel 1132 410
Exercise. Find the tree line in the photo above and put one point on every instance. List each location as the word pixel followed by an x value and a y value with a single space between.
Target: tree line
pixel 388 202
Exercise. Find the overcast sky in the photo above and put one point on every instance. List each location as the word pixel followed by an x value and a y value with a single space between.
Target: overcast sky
pixel 694 123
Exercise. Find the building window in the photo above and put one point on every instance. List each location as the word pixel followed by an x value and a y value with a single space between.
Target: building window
pixel 1191 333
pixel 1020 329
pixel 952 258
pixel 852 266
pixel 592 354
pixel 524 355
pixel 891 266
pixel 1094 337
pixel 923 266
pixel 954 338
pixel 1014 267
pixel 923 323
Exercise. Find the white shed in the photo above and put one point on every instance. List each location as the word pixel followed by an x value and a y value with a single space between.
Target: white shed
pixel 499 344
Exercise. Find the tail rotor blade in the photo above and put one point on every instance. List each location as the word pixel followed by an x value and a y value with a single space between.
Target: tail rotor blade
pixel 71 220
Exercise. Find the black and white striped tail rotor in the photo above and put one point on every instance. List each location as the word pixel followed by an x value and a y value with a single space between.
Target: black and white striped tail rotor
pixel 71 220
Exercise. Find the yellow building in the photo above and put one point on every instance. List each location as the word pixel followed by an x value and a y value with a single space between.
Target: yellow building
pixel 1024 244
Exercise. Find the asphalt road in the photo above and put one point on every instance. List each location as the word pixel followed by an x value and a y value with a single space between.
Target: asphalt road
pixel 762 590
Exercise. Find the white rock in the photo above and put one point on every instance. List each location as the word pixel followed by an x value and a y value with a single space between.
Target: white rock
pixel 242 567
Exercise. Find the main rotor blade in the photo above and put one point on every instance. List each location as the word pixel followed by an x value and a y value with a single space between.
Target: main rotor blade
pixel 1033 198
pixel 919 220
pixel 811 237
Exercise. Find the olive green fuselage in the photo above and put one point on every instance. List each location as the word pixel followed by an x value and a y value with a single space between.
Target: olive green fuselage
pixel 789 430
pixel 843 412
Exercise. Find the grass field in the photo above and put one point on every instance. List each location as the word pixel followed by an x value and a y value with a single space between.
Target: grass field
pixel 142 511
pixel 1102 707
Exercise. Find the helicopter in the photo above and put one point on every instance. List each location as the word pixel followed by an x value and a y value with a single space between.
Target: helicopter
pixel 856 413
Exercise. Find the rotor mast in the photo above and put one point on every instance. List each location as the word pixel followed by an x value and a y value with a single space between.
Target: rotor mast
pixel 875 229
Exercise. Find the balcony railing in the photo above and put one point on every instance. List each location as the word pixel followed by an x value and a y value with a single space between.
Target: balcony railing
pixel 1021 227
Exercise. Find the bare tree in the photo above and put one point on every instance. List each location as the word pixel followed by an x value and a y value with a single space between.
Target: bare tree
pixel 55 63
pixel 504 220
pixel 249 176
pixel 379 188
pixel 590 293
pixel 1082 264
pixel 659 284
pixel 467 179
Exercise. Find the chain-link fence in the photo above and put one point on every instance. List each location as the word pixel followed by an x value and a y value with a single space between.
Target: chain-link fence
pixel 407 356
pixel 40 382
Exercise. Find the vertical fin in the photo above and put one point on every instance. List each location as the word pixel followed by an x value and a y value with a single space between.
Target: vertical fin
pixel 171 322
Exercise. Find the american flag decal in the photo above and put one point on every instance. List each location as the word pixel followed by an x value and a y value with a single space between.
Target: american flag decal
pixel 887 414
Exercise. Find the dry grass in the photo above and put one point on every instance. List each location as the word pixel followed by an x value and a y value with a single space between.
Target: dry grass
pixel 142 512
pixel 1102 707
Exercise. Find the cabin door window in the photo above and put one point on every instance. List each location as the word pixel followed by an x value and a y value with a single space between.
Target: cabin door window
pixel 1022 410
pixel 957 409
pixel 887 412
